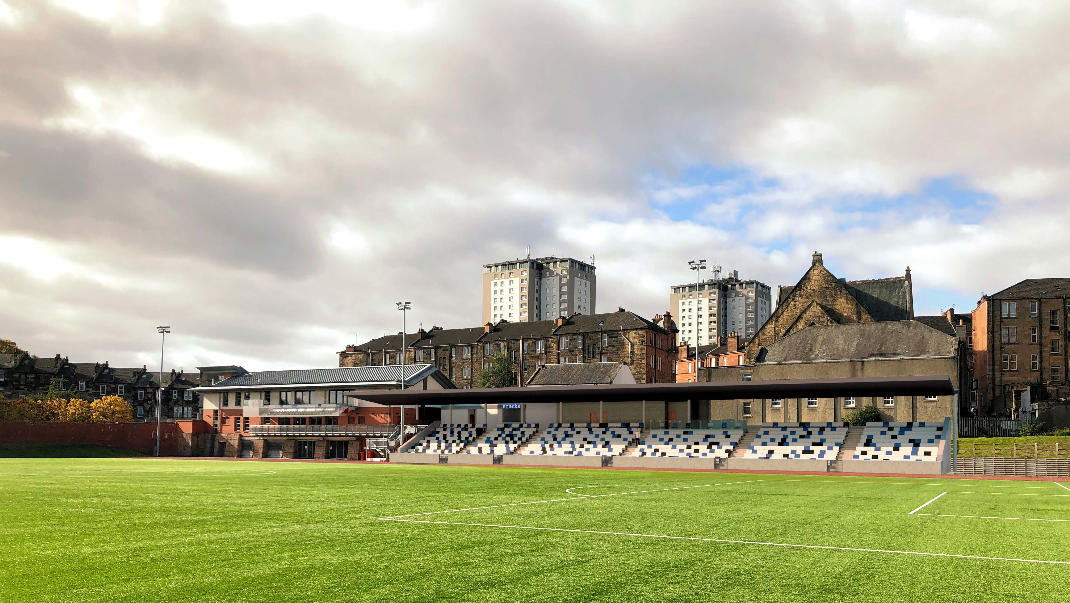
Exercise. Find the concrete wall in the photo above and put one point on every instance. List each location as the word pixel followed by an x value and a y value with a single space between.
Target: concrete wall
pixel 908 467
pixel 775 464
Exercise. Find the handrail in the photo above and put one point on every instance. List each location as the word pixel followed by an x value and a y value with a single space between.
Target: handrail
pixel 356 430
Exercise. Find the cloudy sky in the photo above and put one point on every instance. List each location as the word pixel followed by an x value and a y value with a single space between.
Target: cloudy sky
pixel 268 178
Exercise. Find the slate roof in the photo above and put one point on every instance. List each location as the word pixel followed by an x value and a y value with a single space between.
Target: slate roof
pixel 938 322
pixel 723 349
pixel 860 341
pixel 184 380
pixel 580 323
pixel 1036 288
pixel 590 373
pixel 126 376
pixel 48 366
pixel 884 298
pixel 84 371
pixel 360 375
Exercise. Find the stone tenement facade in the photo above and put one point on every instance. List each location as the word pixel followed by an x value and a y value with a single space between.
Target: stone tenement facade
pixel 1019 345
pixel 819 298
pixel 647 347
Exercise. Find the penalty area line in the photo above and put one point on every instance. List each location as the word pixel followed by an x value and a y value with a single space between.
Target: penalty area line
pixel 1061 486
pixel 992 517
pixel 927 504
pixel 726 541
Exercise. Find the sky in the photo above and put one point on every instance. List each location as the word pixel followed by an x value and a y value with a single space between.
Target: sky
pixel 269 178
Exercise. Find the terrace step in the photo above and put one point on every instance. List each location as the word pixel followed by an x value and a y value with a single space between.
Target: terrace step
pixel 744 443
pixel 850 443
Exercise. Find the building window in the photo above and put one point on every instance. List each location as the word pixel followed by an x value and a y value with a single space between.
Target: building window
pixel 187 395
pixel 140 394
pixel 605 339
pixel 1034 362
pixel 1008 334
pixel 889 400
pixel 1010 362
pixel 246 427
pixel 284 397
pixel 930 398
pixel 775 403
pixel 1056 373
pixel 746 409
pixel 746 376
pixel 1034 309
pixel 103 389
pixel 969 341
pixel 121 390
pixel 267 398
pixel 467 372
pixel 336 396
pixel 226 399
pixel 849 402
pixel 304 397
pixel 1034 335
pixel 1054 319
pixel 1009 309
pixel 466 352
pixel 564 343
pixel 453 353
pixel 1055 347
pixel 540 346
pixel 81 386
pixel 811 403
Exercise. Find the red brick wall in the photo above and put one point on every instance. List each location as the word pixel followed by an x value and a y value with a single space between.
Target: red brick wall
pixel 132 436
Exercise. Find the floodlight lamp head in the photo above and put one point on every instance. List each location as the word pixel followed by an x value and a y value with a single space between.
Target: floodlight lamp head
pixel 163 329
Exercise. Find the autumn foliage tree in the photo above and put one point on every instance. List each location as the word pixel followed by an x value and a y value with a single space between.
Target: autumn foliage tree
pixel 109 409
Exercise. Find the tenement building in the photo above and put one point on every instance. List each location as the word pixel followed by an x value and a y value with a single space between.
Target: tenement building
pixel 707 312
pixel 530 290
pixel 826 327
pixel 1019 346
pixel 646 347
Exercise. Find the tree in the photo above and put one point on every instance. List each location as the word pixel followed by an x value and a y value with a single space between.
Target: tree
pixel 498 374
pixel 8 347
pixel 77 410
pixel 56 391
pixel 111 409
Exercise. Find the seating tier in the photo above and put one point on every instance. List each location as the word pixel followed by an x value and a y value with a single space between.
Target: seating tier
pixel 506 439
pixel 448 439
pixel 584 439
pixel 797 441
pixel 681 443
pixel 900 442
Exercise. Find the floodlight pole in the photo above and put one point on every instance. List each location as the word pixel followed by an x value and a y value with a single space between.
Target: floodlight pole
pixel 404 307
pixel 163 331
pixel 698 267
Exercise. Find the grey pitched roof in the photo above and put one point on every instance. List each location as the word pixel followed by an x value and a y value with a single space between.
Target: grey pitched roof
pixel 591 373
pixel 1036 288
pixel 48 366
pixel 344 376
pixel 436 336
pixel 184 380
pixel 614 321
pixel 84 370
pixel 938 322
pixel 859 341
pixel 126 376
pixel 884 298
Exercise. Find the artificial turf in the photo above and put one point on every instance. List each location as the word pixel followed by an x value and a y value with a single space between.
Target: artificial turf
pixel 174 530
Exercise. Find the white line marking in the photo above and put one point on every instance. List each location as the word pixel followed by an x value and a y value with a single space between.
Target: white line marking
pixel 927 504
pixel 991 517
pixel 725 541
pixel 553 500
pixel 1061 486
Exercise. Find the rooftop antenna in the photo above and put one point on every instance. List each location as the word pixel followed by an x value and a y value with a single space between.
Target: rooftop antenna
pixel 592 260
pixel 715 271
pixel 527 251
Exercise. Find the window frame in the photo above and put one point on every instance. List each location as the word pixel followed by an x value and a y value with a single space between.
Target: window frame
pixel 888 401
pixel 850 401
pixel 811 402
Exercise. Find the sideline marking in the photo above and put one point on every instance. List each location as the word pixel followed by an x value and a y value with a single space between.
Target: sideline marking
pixel 1061 486
pixel 991 517
pixel 723 541
pixel 927 504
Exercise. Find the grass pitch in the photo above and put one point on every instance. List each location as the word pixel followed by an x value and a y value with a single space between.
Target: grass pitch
pixel 165 530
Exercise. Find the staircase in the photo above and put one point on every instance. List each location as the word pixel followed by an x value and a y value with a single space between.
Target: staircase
pixel 532 440
pixel 630 448
pixel 744 443
pixel 850 443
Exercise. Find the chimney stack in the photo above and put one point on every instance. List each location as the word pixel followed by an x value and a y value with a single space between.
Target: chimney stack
pixel 733 342
pixel 819 262
pixel 488 327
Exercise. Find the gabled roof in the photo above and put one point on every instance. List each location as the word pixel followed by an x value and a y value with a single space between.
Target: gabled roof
pixel 590 373
pixel 862 341
pixel 938 322
pixel 435 337
pixel 183 380
pixel 503 330
pixel 125 376
pixel 885 298
pixel 362 376
pixel 48 366
pixel 148 379
pixel 613 321
pixel 1036 288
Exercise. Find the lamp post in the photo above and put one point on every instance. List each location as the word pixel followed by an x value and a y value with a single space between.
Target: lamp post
pixel 404 307
pixel 698 267
pixel 163 331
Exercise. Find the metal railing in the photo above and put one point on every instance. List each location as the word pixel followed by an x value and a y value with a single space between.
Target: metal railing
pixel 696 424
pixel 382 431
pixel 980 427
